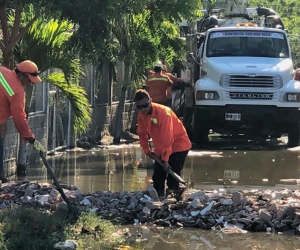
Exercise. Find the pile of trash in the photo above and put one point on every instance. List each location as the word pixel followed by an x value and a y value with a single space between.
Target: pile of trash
pixel 238 212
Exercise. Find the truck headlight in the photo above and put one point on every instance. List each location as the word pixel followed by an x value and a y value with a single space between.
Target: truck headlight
pixel 293 97
pixel 207 95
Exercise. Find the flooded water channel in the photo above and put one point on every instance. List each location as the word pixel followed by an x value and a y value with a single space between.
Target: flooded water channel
pixel 224 166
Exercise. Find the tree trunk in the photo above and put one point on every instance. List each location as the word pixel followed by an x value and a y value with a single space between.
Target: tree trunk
pixel 103 95
pixel 120 109
pixel 7 58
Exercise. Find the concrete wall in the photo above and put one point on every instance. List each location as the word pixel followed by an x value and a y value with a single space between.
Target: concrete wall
pixel 104 119
pixel 103 124
pixel 38 125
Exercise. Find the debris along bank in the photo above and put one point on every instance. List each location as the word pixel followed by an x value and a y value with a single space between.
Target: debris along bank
pixel 239 212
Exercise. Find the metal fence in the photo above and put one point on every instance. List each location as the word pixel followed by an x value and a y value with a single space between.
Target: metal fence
pixel 57 119
pixel 98 92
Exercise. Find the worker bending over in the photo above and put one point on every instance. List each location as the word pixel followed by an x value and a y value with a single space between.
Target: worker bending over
pixel 169 137
pixel 12 104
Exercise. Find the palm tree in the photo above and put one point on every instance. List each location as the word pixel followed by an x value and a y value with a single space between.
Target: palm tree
pixel 136 45
pixel 47 44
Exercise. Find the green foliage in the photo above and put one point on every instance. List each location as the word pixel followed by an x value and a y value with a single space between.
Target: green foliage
pixel 77 96
pixel 289 11
pixel 173 11
pixel 91 230
pixel 31 229
pixel 47 44
pixel 135 31
pixel 27 228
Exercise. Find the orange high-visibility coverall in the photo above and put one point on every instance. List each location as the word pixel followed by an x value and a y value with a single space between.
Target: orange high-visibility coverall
pixel 166 130
pixel 157 85
pixel 297 74
pixel 174 79
pixel 12 102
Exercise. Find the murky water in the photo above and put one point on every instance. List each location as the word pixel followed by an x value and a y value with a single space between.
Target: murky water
pixel 225 167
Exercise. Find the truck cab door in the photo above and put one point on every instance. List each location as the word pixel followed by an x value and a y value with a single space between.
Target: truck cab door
pixel 201 53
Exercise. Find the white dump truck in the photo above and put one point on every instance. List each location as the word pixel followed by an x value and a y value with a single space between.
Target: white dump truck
pixel 241 76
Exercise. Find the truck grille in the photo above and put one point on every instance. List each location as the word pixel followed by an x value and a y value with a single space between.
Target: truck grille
pixel 251 81
pixel 251 95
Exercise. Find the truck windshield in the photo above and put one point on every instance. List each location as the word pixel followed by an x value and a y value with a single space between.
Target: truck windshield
pixel 247 43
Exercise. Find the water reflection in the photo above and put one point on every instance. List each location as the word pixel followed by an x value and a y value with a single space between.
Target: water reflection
pixel 191 239
pixel 99 170
pixel 261 169
pixel 128 169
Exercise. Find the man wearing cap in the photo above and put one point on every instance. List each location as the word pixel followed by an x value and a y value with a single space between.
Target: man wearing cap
pixel 157 85
pixel 174 79
pixel 12 104
pixel 169 137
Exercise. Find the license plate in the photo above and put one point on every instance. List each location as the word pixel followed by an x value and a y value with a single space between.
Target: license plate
pixel 234 174
pixel 233 116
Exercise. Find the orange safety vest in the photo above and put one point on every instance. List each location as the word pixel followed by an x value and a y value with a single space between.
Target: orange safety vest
pixel 157 85
pixel 174 79
pixel 166 130
pixel 12 102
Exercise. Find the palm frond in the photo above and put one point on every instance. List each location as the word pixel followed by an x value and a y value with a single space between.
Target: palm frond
pixel 77 96
pixel 47 44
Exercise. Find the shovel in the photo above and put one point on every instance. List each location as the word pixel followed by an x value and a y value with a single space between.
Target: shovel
pixel 171 172
pixel 71 207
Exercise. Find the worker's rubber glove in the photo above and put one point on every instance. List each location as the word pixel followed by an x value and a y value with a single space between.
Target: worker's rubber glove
pixel 37 145
pixel 166 166
pixel 150 154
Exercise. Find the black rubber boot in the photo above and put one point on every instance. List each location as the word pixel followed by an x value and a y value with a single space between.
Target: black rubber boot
pixel 21 170
pixel 175 193
pixel 161 193
pixel 169 193
pixel 3 179
pixel 178 193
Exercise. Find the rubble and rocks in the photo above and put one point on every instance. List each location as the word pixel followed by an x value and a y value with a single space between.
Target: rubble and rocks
pixel 67 245
pixel 238 212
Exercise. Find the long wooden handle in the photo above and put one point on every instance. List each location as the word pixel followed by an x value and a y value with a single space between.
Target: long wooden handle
pixel 60 190
pixel 171 172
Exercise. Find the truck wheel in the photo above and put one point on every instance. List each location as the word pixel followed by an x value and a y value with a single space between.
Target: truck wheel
pixel 294 134
pixel 200 131
pixel 200 136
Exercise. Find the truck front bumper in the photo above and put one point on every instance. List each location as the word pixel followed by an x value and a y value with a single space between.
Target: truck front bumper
pixel 237 116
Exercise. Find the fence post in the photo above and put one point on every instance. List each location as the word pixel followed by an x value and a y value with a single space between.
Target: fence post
pixel 70 135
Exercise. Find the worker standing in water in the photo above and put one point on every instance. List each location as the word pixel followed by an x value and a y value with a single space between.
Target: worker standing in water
pixel 170 140
pixel 157 85
pixel 12 104
pixel 174 79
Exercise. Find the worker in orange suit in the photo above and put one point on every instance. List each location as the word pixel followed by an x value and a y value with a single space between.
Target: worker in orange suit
pixel 296 74
pixel 174 79
pixel 169 137
pixel 157 85
pixel 12 104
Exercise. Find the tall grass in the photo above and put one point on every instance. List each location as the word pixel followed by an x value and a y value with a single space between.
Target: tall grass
pixel 27 228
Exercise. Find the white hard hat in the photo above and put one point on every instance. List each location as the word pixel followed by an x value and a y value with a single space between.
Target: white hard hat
pixel 158 64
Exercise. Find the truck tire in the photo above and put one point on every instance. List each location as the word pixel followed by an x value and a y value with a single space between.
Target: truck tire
pixel 293 134
pixel 200 136
pixel 200 131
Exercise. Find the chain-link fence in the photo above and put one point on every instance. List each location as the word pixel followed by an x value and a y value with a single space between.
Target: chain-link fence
pixel 57 119
pixel 99 92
